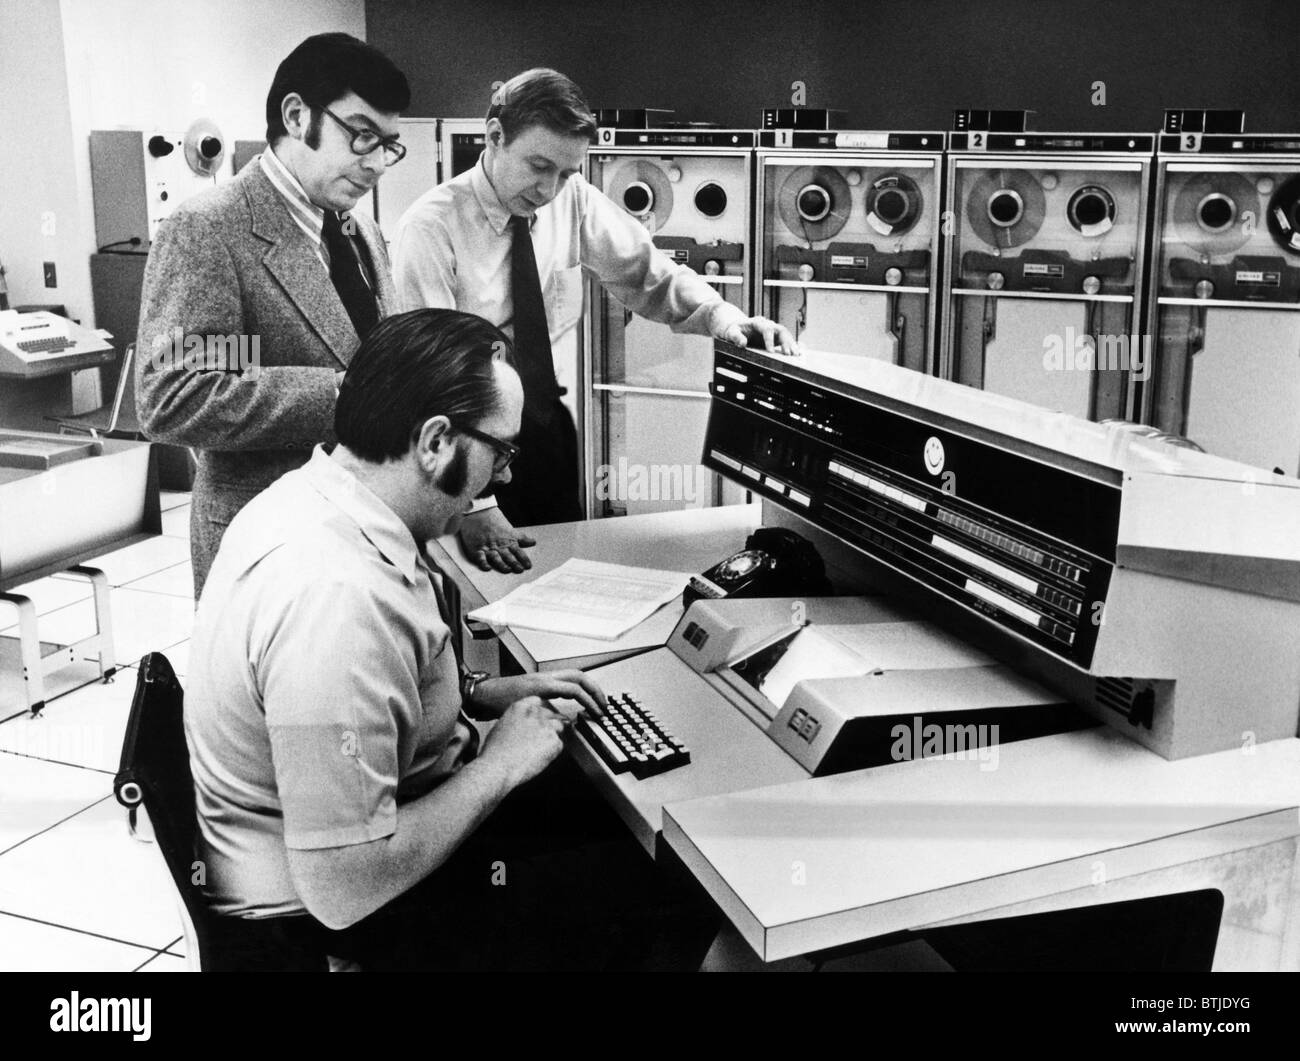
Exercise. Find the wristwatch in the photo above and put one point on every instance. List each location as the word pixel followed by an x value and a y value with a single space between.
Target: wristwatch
pixel 469 681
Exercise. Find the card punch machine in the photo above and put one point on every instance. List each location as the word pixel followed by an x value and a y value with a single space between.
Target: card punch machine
pixel 1035 571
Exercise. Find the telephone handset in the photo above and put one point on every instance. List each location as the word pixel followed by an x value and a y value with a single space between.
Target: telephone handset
pixel 775 562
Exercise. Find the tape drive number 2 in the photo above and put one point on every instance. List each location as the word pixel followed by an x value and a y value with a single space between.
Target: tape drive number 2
pixel 978 141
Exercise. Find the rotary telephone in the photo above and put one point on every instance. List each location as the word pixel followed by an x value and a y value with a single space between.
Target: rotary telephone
pixel 775 562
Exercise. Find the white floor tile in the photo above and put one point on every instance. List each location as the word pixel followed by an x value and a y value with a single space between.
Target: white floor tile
pixel 179 657
pixel 89 873
pixel 82 728
pixel 35 794
pixel 48 594
pixel 142 622
pixel 175 581
pixel 176 522
pixel 174 499
pixel 143 558
pixel 13 693
pixel 29 946
pixel 165 963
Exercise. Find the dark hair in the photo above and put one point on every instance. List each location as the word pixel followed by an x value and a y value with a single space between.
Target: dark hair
pixel 330 65
pixel 542 97
pixel 410 367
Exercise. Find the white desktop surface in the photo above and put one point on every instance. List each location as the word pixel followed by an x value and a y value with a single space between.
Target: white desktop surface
pixel 729 753
pixel 823 862
pixel 692 540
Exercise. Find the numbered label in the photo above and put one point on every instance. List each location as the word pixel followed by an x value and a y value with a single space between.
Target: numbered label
pixel 1189 142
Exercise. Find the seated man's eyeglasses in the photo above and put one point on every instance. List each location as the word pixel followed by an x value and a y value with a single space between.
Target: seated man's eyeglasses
pixel 505 451
pixel 365 141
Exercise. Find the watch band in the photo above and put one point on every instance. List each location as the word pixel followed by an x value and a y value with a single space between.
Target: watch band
pixel 469 682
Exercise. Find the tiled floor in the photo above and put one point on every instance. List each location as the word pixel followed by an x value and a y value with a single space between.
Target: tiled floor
pixel 77 891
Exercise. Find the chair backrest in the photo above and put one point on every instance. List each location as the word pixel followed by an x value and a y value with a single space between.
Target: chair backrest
pixel 155 770
pixel 124 399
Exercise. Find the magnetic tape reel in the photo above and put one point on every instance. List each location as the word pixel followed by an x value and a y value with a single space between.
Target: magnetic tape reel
pixel 1284 216
pixel 1236 235
pixel 814 201
pixel 644 191
pixel 1213 212
pixel 815 204
pixel 1005 208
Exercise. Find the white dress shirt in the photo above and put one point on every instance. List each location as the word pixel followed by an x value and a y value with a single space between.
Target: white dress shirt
pixel 453 252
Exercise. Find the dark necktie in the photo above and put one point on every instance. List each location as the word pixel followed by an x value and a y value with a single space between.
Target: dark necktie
pixel 349 281
pixel 532 334
pixel 450 617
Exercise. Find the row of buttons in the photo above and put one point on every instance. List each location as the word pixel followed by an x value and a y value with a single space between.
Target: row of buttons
pixel 877 486
pixel 1057 630
pixel 1061 599
pixel 804 725
pixel 991 537
pixel 1060 567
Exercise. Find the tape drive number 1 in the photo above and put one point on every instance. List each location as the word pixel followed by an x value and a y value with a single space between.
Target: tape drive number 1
pixel 1190 142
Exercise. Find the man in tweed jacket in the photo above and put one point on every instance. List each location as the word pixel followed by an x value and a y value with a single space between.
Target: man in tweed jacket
pixel 255 293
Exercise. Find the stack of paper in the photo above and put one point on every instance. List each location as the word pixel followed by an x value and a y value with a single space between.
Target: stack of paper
pixel 587 599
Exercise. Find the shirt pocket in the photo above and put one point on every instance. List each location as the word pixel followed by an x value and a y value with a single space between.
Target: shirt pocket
pixel 564 299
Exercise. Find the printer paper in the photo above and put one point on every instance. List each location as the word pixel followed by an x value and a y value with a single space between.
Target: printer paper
pixel 586 598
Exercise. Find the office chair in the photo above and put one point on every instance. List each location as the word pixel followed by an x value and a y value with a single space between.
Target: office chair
pixel 115 420
pixel 155 771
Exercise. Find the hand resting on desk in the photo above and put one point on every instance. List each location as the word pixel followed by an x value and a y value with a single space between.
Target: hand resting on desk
pixel 489 541
pixel 569 693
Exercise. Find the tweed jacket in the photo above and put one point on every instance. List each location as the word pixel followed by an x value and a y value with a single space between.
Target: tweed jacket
pixel 230 266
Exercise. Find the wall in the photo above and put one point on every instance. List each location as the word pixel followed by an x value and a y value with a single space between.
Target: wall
pixel 39 205
pixel 70 66
pixel 890 63
pixel 160 64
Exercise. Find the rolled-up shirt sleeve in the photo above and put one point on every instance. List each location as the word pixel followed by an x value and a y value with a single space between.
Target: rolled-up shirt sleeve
pixel 619 251
pixel 338 671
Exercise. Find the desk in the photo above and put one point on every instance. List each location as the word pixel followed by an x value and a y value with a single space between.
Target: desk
pixel 693 540
pixel 803 864
pixel 53 519
pixel 1067 821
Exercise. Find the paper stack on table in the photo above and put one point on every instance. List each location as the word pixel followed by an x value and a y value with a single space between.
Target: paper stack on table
pixel 585 598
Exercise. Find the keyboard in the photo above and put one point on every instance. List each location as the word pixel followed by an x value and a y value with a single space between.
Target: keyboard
pixel 629 738
pixel 54 345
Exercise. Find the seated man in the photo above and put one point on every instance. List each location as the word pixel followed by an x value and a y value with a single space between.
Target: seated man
pixel 334 771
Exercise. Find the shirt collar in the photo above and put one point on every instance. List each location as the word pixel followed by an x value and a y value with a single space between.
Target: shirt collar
pixel 379 523
pixel 287 184
pixel 498 216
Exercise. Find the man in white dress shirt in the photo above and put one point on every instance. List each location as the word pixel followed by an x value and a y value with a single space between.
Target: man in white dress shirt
pixel 509 240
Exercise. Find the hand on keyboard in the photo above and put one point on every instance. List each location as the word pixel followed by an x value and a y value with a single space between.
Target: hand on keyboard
pixel 569 693
pixel 629 737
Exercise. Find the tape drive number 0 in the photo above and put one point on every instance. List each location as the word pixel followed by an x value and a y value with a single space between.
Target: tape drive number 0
pixel 1189 142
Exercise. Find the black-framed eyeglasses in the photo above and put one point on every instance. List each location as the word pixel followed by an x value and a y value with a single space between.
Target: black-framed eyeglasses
pixel 505 451
pixel 364 141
